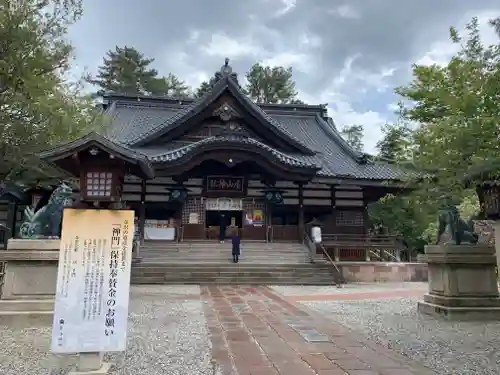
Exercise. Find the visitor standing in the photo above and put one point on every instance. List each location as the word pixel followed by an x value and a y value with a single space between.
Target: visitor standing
pixel 236 248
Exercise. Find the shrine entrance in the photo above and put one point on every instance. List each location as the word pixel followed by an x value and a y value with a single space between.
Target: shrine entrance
pixel 226 212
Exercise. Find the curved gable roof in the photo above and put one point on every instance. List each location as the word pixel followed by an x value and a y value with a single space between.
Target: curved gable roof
pixel 134 117
pixel 198 106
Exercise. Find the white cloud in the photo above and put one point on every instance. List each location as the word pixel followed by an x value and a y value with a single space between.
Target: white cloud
pixel 442 50
pixel 345 11
pixel 222 45
pixel 440 53
pixel 393 107
pixel 344 89
pixel 181 64
pixel 299 61
pixel 308 40
pixel 286 6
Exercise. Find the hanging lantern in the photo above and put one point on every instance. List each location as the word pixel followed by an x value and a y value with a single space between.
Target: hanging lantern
pixel 177 193
pixel 273 195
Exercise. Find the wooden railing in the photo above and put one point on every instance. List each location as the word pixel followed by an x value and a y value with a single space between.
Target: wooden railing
pixel 362 247
pixel 285 233
pixel 311 246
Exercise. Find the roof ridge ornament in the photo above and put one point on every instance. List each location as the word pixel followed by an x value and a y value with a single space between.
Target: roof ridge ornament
pixel 226 71
pixel 226 68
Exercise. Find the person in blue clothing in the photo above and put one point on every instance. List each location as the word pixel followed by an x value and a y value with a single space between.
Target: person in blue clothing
pixel 236 248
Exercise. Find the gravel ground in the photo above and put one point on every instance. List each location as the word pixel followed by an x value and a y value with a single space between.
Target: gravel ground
pixel 307 290
pixel 167 336
pixel 466 348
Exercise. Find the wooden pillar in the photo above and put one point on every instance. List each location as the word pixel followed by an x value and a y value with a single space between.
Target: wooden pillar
pixel 11 221
pixel 333 228
pixel 269 221
pixel 301 211
pixel 366 217
pixel 142 211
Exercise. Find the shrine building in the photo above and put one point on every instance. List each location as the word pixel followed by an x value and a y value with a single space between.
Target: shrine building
pixel 265 170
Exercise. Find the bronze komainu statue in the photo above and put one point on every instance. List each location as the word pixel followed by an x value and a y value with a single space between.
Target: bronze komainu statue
pixel 458 230
pixel 46 222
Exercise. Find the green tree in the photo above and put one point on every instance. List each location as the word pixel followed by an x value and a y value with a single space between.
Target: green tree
pixel 395 145
pixel 265 85
pixel 353 135
pixel 39 108
pixel 127 71
pixel 205 87
pixel 271 85
pixel 456 107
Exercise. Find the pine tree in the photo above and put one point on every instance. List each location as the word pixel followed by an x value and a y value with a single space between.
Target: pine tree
pixel 127 71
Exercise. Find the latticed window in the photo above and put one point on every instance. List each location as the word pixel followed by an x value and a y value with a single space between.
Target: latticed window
pixel 99 184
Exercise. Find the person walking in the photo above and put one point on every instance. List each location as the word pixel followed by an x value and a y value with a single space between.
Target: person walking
pixel 236 248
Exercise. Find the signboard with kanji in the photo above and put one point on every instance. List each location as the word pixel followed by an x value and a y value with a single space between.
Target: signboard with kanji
pixel 93 281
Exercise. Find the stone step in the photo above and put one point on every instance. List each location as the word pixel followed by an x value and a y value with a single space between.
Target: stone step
pixel 231 282
pixel 254 274
pixel 7 306
pixel 229 265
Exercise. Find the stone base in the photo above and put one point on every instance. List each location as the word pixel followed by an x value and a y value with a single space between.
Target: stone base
pixel 42 305
pixel 459 313
pixel 463 301
pixel 33 244
pixel 91 364
pixel 105 369
pixel 27 312
pixel 27 318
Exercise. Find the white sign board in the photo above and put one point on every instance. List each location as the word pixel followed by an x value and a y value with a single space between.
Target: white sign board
pixel 93 281
pixel 194 218
pixel 224 204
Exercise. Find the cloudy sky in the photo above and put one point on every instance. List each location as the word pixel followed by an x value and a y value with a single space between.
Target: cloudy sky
pixel 349 54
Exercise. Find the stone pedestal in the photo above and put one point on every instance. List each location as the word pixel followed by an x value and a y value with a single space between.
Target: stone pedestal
pixel 29 280
pixel 462 283
pixel 91 364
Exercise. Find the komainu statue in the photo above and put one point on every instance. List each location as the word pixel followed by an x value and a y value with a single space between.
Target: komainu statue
pixel 46 222
pixel 459 231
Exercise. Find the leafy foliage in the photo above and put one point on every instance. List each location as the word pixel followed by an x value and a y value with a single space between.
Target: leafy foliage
pixel 127 71
pixel 395 146
pixel 271 84
pixel 353 135
pixel 38 108
pixel 265 84
pixel 455 109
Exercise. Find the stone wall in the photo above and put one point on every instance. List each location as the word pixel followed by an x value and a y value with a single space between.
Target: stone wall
pixel 486 231
pixel 379 271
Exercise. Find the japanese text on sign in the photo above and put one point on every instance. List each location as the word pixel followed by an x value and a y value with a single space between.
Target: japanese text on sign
pixel 93 281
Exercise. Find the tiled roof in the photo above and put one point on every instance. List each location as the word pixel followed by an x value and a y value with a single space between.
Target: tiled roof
pixel 133 119
pixel 92 138
pixel 155 130
pixel 178 153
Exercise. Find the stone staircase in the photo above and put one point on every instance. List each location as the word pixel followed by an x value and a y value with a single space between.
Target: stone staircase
pixel 210 263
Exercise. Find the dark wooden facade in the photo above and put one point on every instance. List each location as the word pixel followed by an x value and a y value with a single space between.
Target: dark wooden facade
pixel 223 149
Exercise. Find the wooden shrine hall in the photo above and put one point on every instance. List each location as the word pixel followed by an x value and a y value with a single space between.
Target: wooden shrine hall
pixel 188 167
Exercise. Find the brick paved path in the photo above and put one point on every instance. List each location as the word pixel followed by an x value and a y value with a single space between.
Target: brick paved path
pixel 256 332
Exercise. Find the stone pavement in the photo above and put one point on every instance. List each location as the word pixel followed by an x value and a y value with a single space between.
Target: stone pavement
pixel 255 331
